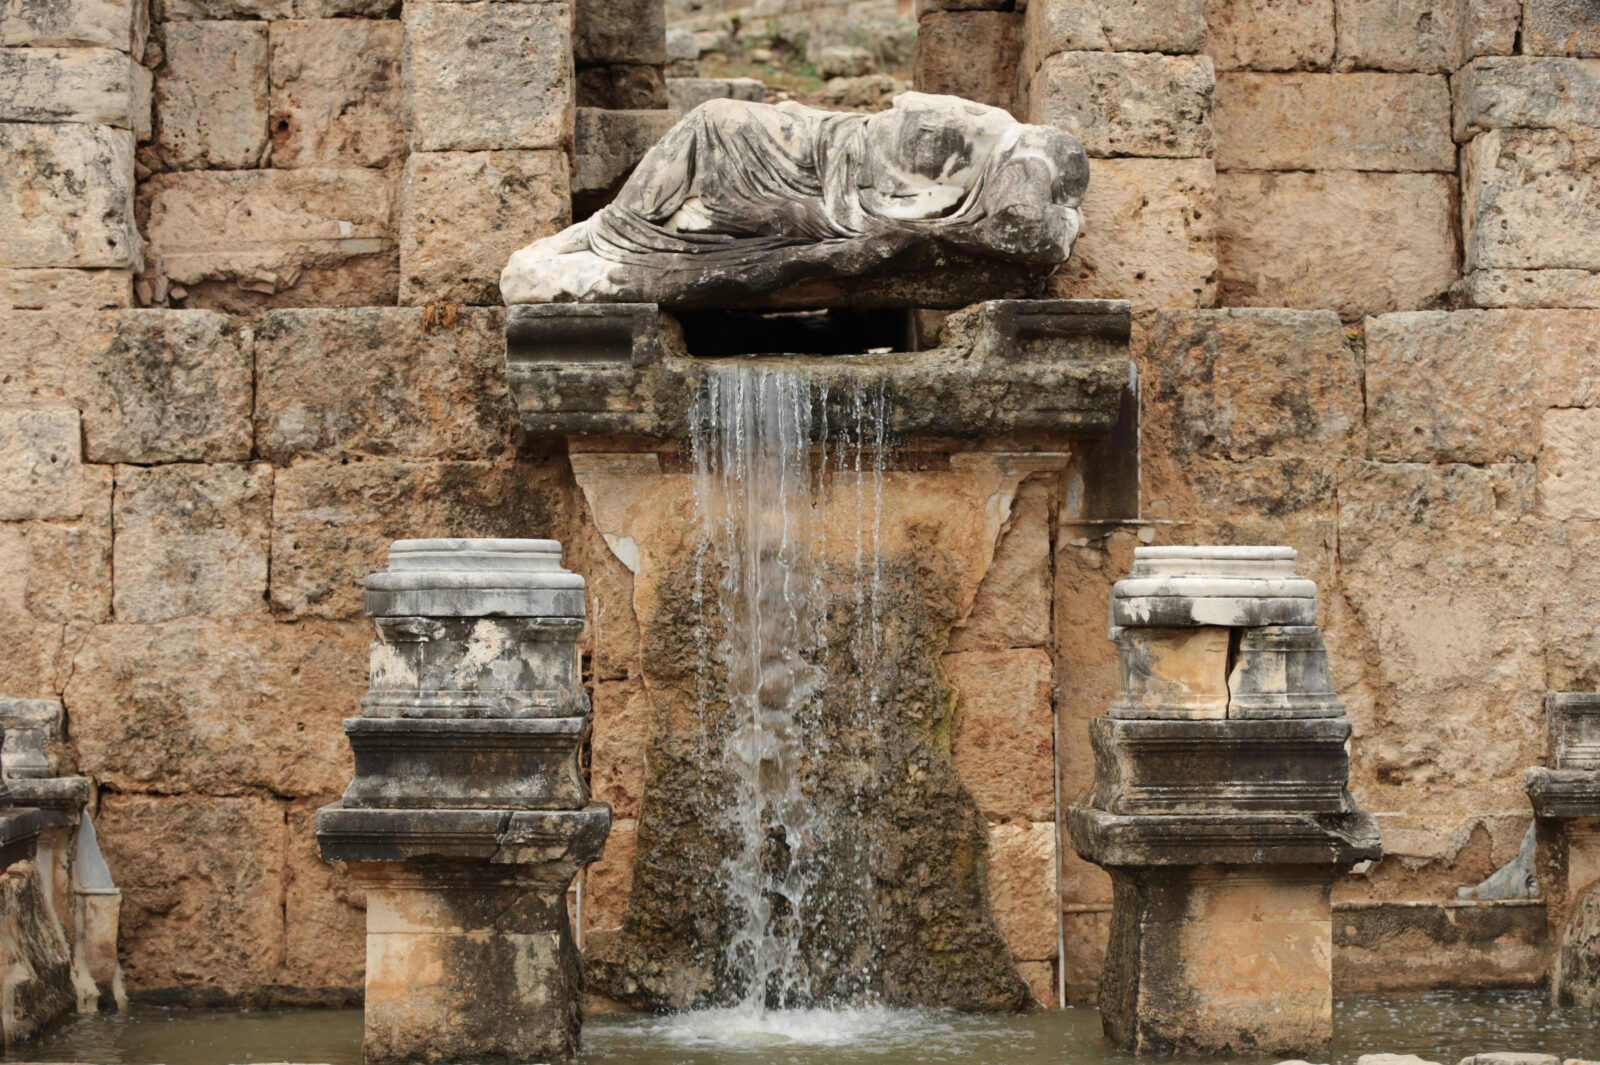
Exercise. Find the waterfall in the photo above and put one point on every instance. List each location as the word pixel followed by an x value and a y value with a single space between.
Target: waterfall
pixel 789 489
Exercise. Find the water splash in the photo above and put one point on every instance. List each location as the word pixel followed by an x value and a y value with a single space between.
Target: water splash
pixel 777 462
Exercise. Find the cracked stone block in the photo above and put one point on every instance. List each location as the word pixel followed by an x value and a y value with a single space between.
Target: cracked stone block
pixel 1561 27
pixel 1526 92
pixel 336 96
pixel 1424 35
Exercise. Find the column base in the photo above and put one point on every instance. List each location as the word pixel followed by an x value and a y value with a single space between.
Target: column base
pixel 1220 959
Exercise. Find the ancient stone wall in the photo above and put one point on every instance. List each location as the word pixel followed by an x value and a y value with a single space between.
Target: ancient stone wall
pixel 248 336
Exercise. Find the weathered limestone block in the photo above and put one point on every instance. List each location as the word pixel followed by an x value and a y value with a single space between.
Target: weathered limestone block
pixel 1569 480
pixel 153 386
pixel 1012 607
pixel 1309 240
pixel 310 362
pixel 1561 27
pixel 1474 386
pixel 1003 744
pixel 324 916
pixel 1245 383
pixel 60 289
pixel 1022 887
pixel 57 571
pixel 218 707
pixel 1172 673
pixel 619 31
pixel 1381 946
pixel 1526 92
pixel 1112 26
pixel 200 922
pixel 1528 199
pixel 68 197
pixel 1530 289
pixel 627 87
pixel 685 94
pixel 607 146
pixel 32 740
pixel 191 539
pixel 486 76
pixel 607 883
pixel 333 523
pixel 1269 34
pixel 1422 35
pixel 119 24
pixel 98 86
pixel 617 745
pixel 41 463
pixel 211 95
pixel 1150 235
pixel 202 10
pixel 37 981
pixel 1570 596
pixel 1127 103
pixel 971 54
pixel 242 240
pixel 1441 568
pixel 1360 122
pixel 336 93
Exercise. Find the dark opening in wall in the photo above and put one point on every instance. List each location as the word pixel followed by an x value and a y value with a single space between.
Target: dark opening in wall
pixel 835 331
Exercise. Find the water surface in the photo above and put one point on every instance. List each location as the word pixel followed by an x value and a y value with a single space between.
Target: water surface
pixel 1440 1026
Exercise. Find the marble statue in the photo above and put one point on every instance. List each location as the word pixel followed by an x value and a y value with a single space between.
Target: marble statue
pixel 743 198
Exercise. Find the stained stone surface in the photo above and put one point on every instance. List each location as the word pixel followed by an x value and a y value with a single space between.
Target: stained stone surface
pixel 92 85
pixel 70 23
pixel 948 180
pixel 335 86
pixel 970 54
pixel 40 463
pixel 1269 34
pixel 1561 27
pixel 1421 35
pixel 1526 92
pixel 1128 103
pixel 68 200
pixel 1528 199
pixel 56 289
pixel 211 96
pixel 1116 26
pixel 1363 122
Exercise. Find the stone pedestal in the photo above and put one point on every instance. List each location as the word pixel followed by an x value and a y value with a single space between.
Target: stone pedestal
pixel 1220 808
pixel 1566 809
pixel 468 816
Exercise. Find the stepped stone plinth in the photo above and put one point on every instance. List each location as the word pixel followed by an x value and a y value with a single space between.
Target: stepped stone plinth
pixel 468 816
pixel 1219 807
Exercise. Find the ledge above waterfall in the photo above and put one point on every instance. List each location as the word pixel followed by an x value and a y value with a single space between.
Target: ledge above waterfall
pixel 1005 366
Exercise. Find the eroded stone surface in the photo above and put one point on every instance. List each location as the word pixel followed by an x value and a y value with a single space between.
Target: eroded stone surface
pixel 1003 745
pixel 1012 607
pixel 191 539
pixel 1022 887
pixel 1561 27
pixel 152 386
pixel 115 24
pixel 1528 199
pixel 971 54
pixel 52 289
pixel 1309 240
pixel 68 200
pixel 324 916
pixel 625 86
pixel 1269 34
pixel 608 882
pixel 482 77
pixel 1114 26
pixel 1361 122
pixel 91 85
pixel 198 922
pixel 211 95
pixel 620 737
pixel 1526 92
pixel 247 239
pixel 608 145
pixel 218 706
pixel 1150 235
pixel 1127 103
pixel 619 31
pixel 310 362
pixel 1422 35
pixel 1569 482
pixel 40 463
pixel 1461 386
pixel 333 522
pixel 336 93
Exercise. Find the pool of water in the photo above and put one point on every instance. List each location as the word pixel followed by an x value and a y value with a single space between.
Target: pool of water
pixel 1441 1026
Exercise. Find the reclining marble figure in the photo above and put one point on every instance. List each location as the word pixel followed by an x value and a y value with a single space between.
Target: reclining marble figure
pixel 742 198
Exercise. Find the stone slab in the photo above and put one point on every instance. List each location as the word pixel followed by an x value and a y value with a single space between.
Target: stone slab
pixel 1526 92
pixel 1563 793
pixel 1223 839
pixel 1022 887
pixel 465 764
pixel 335 93
pixel 58 289
pixel 211 95
pixel 1150 235
pixel 152 386
pixel 1530 289
pixel 218 706
pixel 120 24
pixel 1423 35
pixel 1309 240
pixel 191 540
pixel 56 574
pixel 1127 103
pixel 685 94
pixel 68 200
pixel 1473 386
pixel 97 86
pixel 1003 744
pixel 480 77
pixel 248 239
pixel 1528 199
pixel 41 463
pixel 1113 26
pixel 607 145
pixel 309 362
pixel 619 31
pixel 480 577
pixel 1569 480
pixel 1354 121
pixel 462 214
pixel 1560 27
pixel 324 916
pixel 548 838
pixel 970 54
pixel 1269 34
pixel 1012 607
